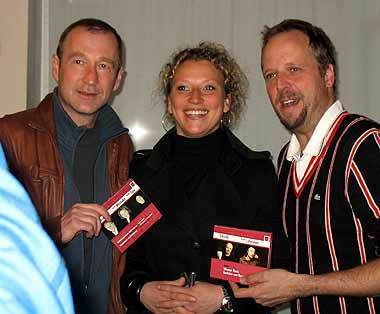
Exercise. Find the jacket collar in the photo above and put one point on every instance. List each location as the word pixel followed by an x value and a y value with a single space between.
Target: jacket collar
pixel 234 151
pixel 107 123
pixel 44 120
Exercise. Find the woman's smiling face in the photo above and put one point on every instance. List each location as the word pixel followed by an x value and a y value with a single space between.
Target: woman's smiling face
pixel 197 98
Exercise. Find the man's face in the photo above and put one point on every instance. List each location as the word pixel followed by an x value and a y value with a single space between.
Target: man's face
pixel 229 248
pixel 87 73
pixel 299 93
pixel 251 252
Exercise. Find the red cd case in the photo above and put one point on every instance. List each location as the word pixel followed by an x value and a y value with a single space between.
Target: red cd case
pixel 239 252
pixel 132 214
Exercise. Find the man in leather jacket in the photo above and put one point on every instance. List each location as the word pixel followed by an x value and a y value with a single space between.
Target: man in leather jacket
pixel 71 153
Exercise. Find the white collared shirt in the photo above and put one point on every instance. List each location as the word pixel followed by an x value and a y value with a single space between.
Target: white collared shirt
pixel 316 142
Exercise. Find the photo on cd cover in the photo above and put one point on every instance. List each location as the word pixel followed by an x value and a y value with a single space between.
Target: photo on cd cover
pixel 132 214
pixel 238 252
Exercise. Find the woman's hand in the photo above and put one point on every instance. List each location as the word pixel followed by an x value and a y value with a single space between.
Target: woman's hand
pixel 208 297
pixel 159 300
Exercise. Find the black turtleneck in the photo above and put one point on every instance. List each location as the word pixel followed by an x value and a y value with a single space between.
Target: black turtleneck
pixel 193 157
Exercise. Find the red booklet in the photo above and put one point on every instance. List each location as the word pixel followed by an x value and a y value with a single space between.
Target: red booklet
pixel 239 252
pixel 132 214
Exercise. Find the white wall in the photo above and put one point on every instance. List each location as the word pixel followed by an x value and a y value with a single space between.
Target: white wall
pixel 153 29
pixel 13 55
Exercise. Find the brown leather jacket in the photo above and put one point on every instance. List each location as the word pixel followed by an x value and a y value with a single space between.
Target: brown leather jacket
pixel 29 142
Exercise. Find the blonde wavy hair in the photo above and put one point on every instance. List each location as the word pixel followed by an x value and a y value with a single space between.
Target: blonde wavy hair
pixel 235 81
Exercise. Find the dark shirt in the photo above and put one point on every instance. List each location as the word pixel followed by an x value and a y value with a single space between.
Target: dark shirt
pixel 86 181
pixel 83 168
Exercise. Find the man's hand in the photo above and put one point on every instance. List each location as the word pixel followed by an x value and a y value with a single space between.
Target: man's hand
pixel 159 300
pixel 270 287
pixel 208 297
pixel 82 217
pixel 276 286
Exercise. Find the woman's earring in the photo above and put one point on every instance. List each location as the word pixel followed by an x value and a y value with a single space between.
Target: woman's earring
pixel 167 121
pixel 226 120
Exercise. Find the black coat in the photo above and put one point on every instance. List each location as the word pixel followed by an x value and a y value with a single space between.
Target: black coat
pixel 241 191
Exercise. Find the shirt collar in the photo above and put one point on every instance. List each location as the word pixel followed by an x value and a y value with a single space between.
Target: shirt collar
pixel 107 122
pixel 315 144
